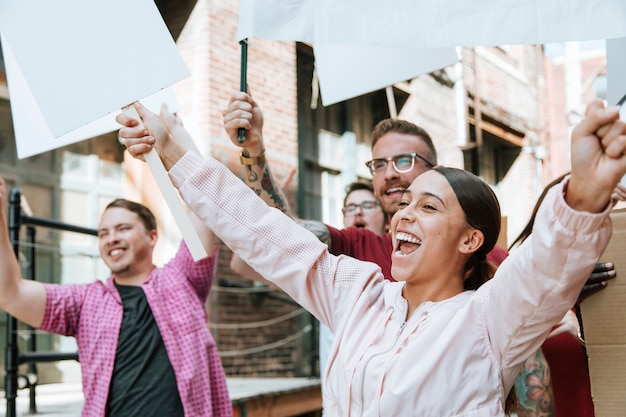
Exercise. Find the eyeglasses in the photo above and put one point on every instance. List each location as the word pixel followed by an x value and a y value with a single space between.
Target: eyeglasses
pixel 350 209
pixel 401 163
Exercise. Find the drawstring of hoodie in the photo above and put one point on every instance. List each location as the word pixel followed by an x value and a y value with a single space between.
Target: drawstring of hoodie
pixel 390 311
pixel 423 318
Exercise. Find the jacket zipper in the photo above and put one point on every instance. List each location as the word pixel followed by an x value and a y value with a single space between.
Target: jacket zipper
pixel 372 357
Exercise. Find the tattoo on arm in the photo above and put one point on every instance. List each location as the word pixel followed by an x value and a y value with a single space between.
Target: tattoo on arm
pixel 534 388
pixel 251 174
pixel 274 192
pixel 260 179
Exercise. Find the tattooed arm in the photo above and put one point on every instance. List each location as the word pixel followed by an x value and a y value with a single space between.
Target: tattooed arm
pixel 259 178
pixel 533 387
pixel 243 112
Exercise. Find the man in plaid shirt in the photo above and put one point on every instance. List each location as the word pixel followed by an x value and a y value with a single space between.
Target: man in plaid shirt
pixel 143 342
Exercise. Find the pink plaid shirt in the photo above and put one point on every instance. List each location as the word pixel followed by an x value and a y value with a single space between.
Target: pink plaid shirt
pixel 176 294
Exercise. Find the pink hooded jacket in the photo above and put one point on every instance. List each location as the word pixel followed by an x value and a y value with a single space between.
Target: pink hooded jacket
pixel 457 357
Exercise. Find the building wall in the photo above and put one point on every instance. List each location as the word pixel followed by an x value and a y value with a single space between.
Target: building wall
pixel 571 72
pixel 510 85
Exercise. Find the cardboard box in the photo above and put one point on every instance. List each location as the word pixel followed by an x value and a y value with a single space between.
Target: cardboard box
pixel 604 325
pixel 502 237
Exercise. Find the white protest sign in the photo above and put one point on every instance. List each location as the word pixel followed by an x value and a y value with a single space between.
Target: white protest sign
pixel 432 23
pixel 349 71
pixel 361 48
pixel 94 58
pixel 33 136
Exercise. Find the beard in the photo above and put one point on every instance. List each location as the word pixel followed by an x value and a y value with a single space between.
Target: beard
pixel 120 268
pixel 390 207
pixel 389 203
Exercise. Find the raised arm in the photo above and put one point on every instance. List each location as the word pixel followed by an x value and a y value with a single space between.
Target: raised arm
pixel 22 298
pixel 266 238
pixel 542 278
pixel 134 129
pixel 244 112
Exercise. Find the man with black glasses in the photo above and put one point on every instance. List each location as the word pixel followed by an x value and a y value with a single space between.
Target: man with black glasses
pixel 362 209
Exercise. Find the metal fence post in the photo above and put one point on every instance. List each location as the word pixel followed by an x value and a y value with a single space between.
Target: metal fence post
pixel 11 353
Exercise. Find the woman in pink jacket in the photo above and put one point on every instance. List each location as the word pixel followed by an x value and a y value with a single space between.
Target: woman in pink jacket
pixel 444 340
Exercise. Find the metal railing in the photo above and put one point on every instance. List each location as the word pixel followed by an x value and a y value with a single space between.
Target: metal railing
pixel 13 357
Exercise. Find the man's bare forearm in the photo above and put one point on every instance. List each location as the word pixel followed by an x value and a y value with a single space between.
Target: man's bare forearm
pixel 259 178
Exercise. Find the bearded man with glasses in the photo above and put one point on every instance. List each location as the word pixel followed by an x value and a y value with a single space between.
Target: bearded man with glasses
pixel 401 151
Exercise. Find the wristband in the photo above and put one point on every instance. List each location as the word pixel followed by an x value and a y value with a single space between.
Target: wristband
pixel 252 160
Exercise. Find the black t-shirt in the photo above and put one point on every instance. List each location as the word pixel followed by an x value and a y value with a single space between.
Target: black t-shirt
pixel 143 382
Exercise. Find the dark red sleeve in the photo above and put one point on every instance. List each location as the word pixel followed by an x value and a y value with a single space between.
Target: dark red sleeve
pixel 570 376
pixel 497 255
pixel 364 245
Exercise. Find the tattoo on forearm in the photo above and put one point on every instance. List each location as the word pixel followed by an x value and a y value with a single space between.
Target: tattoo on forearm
pixel 275 194
pixel 259 178
pixel 252 175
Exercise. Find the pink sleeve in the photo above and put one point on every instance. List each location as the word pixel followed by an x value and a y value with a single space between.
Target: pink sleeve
pixel 540 281
pixel 200 274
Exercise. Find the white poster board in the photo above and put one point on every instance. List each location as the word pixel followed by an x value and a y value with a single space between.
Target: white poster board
pixel 30 126
pixel 92 58
pixel 364 46
pixel 432 23
pixel 349 71
pixel 84 60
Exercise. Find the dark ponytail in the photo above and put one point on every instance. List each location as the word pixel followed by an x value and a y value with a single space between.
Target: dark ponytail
pixel 482 212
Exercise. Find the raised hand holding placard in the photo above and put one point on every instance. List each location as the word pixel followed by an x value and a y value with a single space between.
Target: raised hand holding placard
pixel 174 203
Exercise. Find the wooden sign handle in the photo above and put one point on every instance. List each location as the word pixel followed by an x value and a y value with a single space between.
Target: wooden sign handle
pixel 172 199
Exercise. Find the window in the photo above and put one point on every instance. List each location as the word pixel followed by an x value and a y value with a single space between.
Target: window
pixel 491 155
pixel 334 143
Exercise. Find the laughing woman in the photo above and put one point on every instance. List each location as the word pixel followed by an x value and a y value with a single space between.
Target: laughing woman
pixel 444 340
